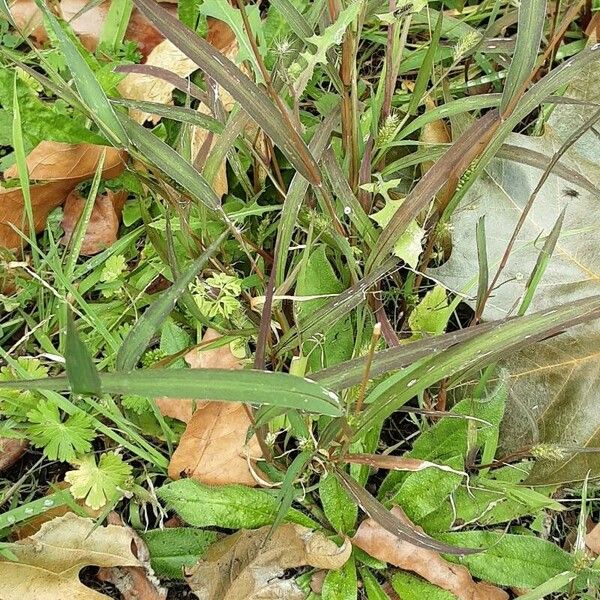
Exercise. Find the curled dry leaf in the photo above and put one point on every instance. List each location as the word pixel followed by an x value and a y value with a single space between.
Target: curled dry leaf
pixel 396 463
pixel 58 168
pixel 86 19
pixel 47 564
pixel 134 583
pixel 213 448
pixel 104 221
pixel 141 86
pixel 11 451
pixel 242 565
pixel 379 543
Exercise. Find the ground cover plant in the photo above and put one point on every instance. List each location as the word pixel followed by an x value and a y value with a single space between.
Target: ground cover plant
pixel 299 299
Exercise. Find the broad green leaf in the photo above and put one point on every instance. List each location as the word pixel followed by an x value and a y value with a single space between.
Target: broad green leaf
pixel 339 509
pixel 552 395
pixel 227 506
pixel 448 437
pixel 141 334
pixel 175 548
pixel 318 278
pixel 254 387
pixel 224 11
pixel 431 315
pixel 412 587
pixel 423 492
pixel 40 120
pixel 81 370
pixel 341 584
pixel 497 498
pixel 408 245
pixel 254 101
pixel 372 586
pixel 530 28
pixel 510 560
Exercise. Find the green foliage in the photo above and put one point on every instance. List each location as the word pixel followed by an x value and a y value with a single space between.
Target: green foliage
pixel 173 549
pixel 99 483
pixel 412 587
pixel 61 439
pixel 521 561
pixel 317 278
pixel 341 584
pixel 339 509
pixel 231 506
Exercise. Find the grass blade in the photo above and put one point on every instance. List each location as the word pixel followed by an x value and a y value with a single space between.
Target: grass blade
pixel 532 16
pixel 484 271
pixel 86 83
pixel 79 365
pixel 251 387
pixel 141 334
pixel 253 100
pixel 335 309
pixel 509 336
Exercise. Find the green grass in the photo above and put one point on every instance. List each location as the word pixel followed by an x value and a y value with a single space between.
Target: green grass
pixel 340 269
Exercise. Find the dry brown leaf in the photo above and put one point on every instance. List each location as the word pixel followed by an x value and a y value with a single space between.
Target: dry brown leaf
pixel 28 19
pixel 57 161
pixel 396 463
pixel 134 583
pixel 61 167
pixel 592 540
pixel 11 451
pixel 383 545
pixel 139 86
pixel 213 447
pixel 103 226
pixel 48 563
pixel 242 565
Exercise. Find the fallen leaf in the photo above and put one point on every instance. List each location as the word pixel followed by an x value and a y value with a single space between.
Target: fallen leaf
pixel 61 167
pixel 553 391
pixel 56 161
pixel 104 222
pixel 47 564
pixel 134 583
pixel 11 451
pixel 28 19
pixel 198 358
pixel 592 540
pixel 213 448
pixel 379 543
pixel 242 565
pixel 141 86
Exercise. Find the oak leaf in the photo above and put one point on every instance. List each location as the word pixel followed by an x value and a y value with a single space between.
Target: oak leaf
pixel 383 545
pixel 247 565
pixel 47 564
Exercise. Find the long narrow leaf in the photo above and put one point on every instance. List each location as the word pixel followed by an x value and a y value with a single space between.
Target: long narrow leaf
pixel 251 98
pixel 252 387
pixel 81 370
pixel 87 85
pixel 477 352
pixel 532 16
